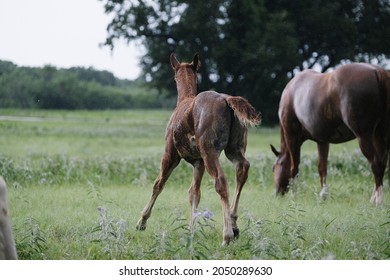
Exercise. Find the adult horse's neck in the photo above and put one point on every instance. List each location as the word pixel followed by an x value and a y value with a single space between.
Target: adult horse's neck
pixel 186 84
pixel 283 147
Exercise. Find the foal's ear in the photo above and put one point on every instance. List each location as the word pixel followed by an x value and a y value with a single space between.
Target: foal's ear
pixel 196 62
pixel 174 61
pixel 273 149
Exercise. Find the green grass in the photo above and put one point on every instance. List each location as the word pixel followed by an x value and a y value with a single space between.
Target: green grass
pixel 78 181
pixel 82 133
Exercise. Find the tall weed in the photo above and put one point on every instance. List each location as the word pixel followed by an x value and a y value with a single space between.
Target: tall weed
pixel 32 241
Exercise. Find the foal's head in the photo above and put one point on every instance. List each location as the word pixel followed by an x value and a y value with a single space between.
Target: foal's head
pixel 185 76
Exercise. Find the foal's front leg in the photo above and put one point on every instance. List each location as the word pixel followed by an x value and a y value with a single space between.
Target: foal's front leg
pixel 169 162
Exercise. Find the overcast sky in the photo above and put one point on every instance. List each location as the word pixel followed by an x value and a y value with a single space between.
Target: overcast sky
pixel 62 33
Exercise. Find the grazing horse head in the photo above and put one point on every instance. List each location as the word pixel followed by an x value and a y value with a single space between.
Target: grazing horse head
pixel 351 102
pixel 281 170
pixel 202 126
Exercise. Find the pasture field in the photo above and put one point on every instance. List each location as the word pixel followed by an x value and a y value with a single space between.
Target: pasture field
pixel 78 181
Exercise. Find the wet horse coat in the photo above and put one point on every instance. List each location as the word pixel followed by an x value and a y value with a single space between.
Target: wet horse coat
pixel 200 128
pixel 351 102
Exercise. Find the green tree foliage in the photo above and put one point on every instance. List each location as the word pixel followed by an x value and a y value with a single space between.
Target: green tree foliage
pixel 251 47
pixel 73 88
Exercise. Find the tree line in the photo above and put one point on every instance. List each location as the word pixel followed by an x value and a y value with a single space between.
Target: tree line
pixel 74 88
pixel 251 47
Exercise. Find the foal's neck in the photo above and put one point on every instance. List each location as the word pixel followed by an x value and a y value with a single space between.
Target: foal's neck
pixel 186 86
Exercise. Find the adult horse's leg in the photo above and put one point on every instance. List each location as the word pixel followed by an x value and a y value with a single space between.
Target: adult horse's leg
pixel 169 162
pixel 379 164
pixel 213 167
pixel 323 151
pixel 376 153
pixel 294 142
pixel 194 190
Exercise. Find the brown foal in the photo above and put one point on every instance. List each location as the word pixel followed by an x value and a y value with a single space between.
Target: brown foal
pixel 200 128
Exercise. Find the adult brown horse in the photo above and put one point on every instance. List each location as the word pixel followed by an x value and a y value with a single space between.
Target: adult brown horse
pixel 351 102
pixel 200 128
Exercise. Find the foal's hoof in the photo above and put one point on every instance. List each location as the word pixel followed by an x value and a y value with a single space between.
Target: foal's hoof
pixel 141 226
pixel 236 232
pixel 228 238
pixel 226 241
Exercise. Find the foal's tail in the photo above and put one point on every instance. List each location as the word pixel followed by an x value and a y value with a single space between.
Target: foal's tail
pixel 244 111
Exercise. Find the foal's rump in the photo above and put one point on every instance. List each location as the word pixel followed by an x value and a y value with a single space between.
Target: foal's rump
pixel 216 114
pixel 217 103
pixel 212 120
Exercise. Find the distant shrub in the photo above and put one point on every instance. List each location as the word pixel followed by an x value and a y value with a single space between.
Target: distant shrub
pixel 74 88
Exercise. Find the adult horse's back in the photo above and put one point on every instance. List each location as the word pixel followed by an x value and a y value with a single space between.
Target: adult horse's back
pixel 351 102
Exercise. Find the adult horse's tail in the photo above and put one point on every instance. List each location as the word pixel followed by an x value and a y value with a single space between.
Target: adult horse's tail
pixel 383 77
pixel 243 110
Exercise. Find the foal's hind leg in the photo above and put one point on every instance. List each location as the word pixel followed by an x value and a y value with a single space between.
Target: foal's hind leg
pixel 213 167
pixel 242 168
pixel 194 190
pixel 169 161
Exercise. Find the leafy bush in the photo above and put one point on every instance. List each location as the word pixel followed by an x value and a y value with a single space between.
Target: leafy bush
pixel 74 88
